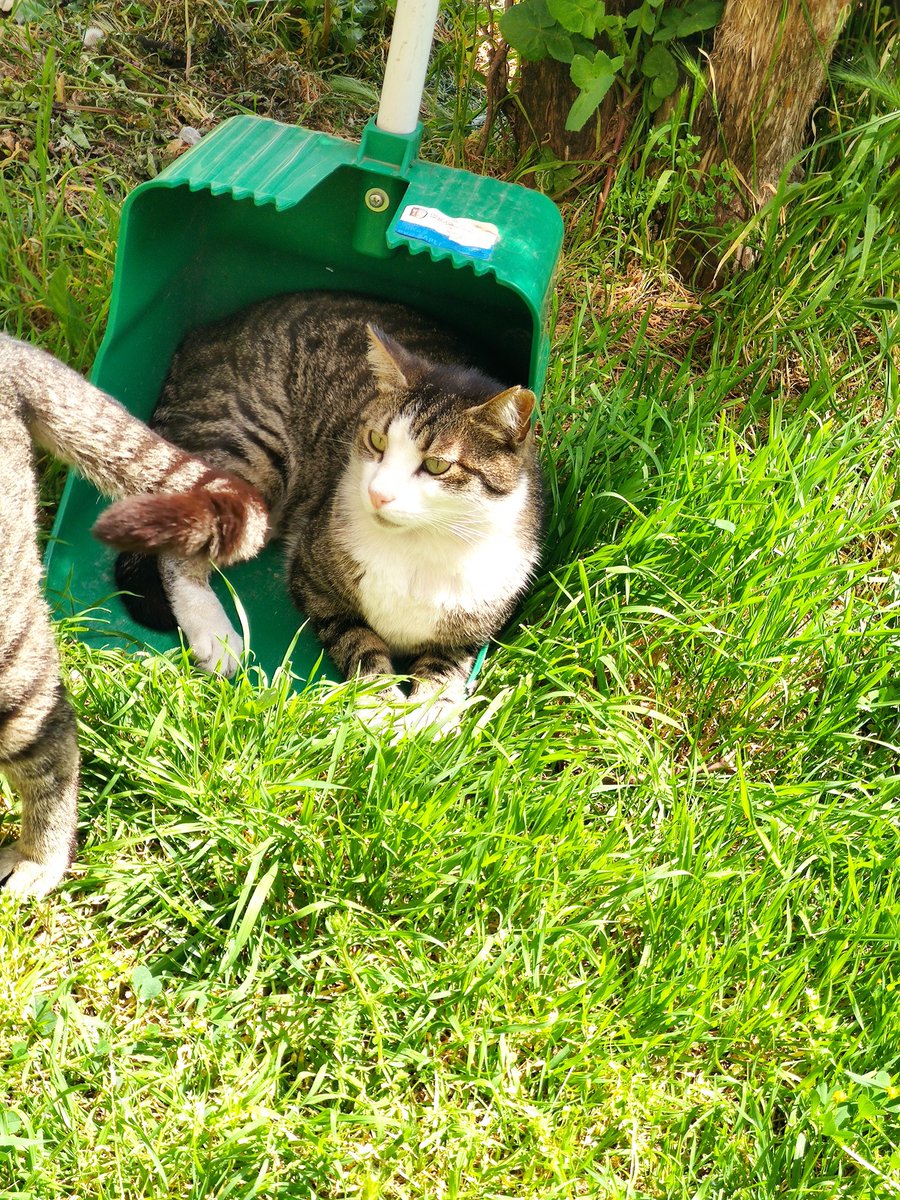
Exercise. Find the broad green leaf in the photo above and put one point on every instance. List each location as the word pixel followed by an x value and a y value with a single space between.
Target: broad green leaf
pixel 582 46
pixel 593 78
pixel 78 136
pixel 45 1018
pixel 833 1119
pixel 559 45
pixel 145 984
pixel 526 27
pixel 659 65
pixel 25 11
pixel 875 1079
pixel 696 17
pixel 576 16
pixel 642 18
pixel 866 1106
pixel 10 1122
pixel 667 30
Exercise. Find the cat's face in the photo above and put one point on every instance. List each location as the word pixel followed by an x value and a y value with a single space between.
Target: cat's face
pixel 433 451
pixel 407 481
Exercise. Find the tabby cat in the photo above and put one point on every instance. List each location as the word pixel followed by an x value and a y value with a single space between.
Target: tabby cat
pixel 402 479
pixel 203 511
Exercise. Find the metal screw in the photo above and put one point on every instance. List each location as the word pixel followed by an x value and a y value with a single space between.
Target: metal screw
pixel 377 200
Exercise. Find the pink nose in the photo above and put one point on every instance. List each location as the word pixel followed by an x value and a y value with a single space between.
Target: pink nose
pixel 379 499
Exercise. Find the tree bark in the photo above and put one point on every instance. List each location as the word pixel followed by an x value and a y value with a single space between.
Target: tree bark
pixel 766 71
pixel 545 95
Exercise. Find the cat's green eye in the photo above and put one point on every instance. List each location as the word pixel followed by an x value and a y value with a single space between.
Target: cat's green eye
pixel 377 441
pixel 435 466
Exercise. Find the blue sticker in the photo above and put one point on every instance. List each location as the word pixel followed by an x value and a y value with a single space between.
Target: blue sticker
pixel 475 239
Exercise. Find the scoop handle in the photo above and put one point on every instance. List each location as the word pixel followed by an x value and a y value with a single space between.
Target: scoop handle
pixel 404 75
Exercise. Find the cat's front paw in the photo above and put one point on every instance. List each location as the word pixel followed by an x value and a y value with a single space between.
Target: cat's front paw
pixel 435 717
pixel 23 877
pixel 398 716
pixel 376 709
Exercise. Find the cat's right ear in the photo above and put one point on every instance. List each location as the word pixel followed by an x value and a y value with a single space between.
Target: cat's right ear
pixel 391 364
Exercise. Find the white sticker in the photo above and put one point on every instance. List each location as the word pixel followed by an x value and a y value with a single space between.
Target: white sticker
pixel 476 239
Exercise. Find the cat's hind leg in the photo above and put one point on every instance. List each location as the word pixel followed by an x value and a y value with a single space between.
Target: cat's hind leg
pixel 166 590
pixel 216 644
pixel 165 593
pixel 39 756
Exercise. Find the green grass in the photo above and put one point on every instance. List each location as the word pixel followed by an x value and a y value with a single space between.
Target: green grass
pixel 634 933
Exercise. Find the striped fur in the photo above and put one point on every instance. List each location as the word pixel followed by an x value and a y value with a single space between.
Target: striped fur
pixel 44 402
pixel 397 569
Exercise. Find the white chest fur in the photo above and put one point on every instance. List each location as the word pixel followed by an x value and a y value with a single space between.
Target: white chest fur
pixel 414 581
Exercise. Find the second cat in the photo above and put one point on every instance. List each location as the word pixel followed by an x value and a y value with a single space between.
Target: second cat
pixel 189 509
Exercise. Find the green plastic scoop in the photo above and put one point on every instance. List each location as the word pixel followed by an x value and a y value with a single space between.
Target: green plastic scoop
pixel 259 208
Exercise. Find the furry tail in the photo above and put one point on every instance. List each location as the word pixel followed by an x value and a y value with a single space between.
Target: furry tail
pixel 221 517
pixel 175 502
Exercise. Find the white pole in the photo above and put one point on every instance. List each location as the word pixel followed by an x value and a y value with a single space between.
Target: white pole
pixel 404 76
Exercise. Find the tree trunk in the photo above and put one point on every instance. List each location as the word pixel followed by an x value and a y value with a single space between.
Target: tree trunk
pixel 546 93
pixel 766 71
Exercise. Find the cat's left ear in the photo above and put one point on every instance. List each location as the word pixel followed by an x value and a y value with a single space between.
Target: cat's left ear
pixel 512 409
pixel 392 365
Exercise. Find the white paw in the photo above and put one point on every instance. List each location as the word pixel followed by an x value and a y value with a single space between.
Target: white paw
pixel 218 650
pixel 435 717
pixel 400 717
pixel 216 644
pixel 22 877
pixel 376 709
